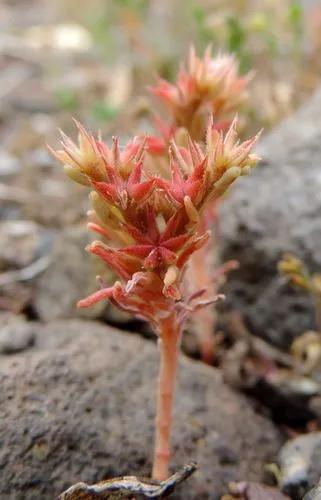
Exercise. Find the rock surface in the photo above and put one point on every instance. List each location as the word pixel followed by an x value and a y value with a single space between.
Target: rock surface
pixel 314 494
pixel 79 405
pixel 70 277
pixel 21 243
pixel 276 210
pixel 16 334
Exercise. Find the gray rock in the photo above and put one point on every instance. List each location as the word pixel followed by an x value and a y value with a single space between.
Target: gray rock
pixel 80 407
pixel 314 494
pixel 70 277
pixel 22 242
pixel 276 210
pixel 315 405
pixel 16 336
pixel 300 464
pixel 9 165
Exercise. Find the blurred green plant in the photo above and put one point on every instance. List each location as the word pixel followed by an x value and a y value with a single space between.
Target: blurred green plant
pixel 103 112
pixel 247 36
pixel 106 26
pixel 99 25
pixel 295 17
pixel 204 34
pixel 236 35
pixel 261 26
pixel 236 42
pixel 138 6
pixel 66 98
pixel 295 20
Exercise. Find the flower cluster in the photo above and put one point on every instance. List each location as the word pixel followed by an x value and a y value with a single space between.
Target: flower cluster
pixel 149 225
pixel 204 87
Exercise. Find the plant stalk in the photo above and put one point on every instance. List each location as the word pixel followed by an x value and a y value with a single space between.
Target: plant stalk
pixel 169 343
pixel 202 265
pixel 318 312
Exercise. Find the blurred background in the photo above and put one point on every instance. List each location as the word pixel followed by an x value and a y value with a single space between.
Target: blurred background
pixel 94 61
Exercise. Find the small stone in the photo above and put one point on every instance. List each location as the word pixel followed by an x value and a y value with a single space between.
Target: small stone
pixel 300 464
pixel 9 164
pixel 21 243
pixel 16 336
pixel 71 276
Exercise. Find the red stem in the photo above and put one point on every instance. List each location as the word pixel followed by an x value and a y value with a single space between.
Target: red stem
pixel 169 341
pixel 204 320
pixel 318 311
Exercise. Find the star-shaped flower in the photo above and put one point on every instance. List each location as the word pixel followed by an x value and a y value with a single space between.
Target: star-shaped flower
pixel 155 248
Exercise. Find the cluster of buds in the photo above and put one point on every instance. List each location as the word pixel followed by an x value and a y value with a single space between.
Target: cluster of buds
pixel 149 224
pixel 205 86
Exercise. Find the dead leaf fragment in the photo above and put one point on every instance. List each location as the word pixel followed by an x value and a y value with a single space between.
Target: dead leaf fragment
pixel 128 487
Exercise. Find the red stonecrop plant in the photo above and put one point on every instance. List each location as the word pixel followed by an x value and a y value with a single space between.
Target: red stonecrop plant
pixel 207 87
pixel 150 226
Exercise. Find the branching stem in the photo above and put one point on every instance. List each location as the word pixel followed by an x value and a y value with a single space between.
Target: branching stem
pixel 201 269
pixel 318 312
